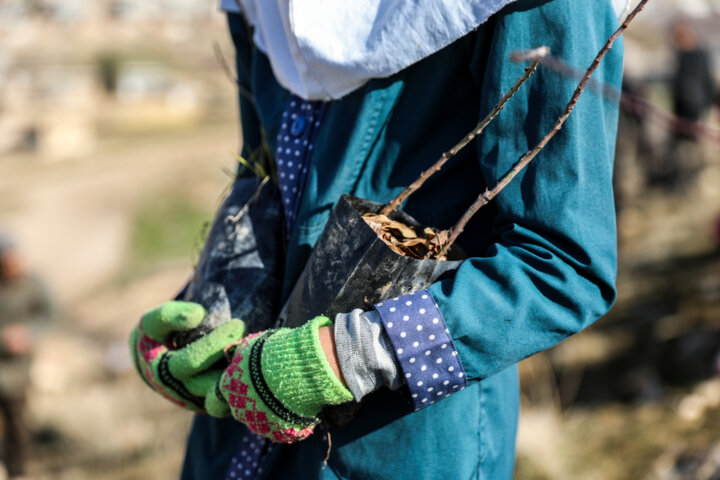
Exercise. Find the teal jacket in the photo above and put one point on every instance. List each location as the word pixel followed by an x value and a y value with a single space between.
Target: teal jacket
pixel 543 253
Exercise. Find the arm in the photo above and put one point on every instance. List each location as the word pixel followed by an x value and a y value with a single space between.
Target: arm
pixel 551 269
pixel 327 340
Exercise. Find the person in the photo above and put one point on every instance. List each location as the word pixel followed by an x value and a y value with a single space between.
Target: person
pixel 359 98
pixel 693 87
pixel 25 308
pixel 634 149
pixel 693 92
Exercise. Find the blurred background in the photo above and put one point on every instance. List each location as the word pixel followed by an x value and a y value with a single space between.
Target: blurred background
pixel 118 126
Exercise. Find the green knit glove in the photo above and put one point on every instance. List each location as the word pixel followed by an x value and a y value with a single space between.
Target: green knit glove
pixel 278 382
pixel 185 375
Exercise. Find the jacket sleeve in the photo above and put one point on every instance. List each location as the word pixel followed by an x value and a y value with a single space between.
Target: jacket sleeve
pixel 551 269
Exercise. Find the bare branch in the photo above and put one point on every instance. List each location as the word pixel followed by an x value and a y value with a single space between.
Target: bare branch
pixel 536 55
pixel 488 195
pixel 539 53
pixel 630 102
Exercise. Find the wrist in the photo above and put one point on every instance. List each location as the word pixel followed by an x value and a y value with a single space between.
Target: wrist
pixel 296 368
pixel 365 355
pixel 327 340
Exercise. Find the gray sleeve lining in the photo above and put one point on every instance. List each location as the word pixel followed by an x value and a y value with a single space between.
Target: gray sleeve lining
pixel 365 354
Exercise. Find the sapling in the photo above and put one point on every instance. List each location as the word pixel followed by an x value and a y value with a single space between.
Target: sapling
pixel 436 244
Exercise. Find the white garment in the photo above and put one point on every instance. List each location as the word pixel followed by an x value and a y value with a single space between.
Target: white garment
pixel 325 49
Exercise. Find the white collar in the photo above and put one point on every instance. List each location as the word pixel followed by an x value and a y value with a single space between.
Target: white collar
pixel 325 49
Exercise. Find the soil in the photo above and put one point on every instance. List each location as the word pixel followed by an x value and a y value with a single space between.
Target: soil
pixel 91 415
pixel 635 396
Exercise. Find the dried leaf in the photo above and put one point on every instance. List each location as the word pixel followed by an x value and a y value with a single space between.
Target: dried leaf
pixel 406 240
pixel 400 230
pixel 414 241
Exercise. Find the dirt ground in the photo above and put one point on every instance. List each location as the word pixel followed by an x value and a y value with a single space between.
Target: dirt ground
pixel 637 395
pixel 598 406
pixel 91 415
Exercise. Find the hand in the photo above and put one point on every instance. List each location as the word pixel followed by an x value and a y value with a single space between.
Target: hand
pixel 16 339
pixel 182 376
pixel 278 382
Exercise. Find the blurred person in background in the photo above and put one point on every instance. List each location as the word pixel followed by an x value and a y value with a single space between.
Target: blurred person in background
pixel 634 148
pixel 25 310
pixel 359 98
pixel 693 93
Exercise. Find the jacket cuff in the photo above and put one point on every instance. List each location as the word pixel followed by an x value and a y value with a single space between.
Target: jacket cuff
pixel 423 346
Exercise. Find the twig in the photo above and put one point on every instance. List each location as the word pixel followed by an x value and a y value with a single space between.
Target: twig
pixel 488 195
pixel 329 450
pixel 632 103
pixel 220 57
pixel 246 207
pixel 696 130
pixel 536 56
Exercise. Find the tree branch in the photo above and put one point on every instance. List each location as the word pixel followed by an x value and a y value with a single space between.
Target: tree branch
pixel 536 55
pixel 633 103
pixel 488 195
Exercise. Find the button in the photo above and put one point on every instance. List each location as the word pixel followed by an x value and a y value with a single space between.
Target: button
pixel 298 126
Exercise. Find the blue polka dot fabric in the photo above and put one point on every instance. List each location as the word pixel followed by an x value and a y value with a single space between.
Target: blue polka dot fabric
pixel 300 123
pixel 247 462
pixel 423 347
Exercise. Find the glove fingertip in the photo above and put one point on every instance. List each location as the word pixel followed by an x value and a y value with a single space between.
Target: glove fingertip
pixel 170 317
pixel 189 315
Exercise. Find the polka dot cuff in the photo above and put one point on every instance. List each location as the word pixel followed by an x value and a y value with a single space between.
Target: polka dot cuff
pixel 423 346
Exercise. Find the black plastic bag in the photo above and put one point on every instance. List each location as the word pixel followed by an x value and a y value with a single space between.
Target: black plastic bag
pixel 351 267
pixel 240 269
